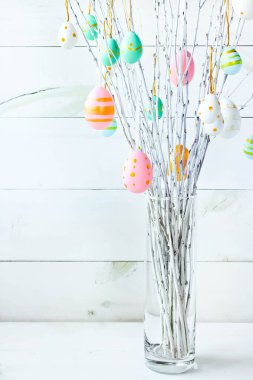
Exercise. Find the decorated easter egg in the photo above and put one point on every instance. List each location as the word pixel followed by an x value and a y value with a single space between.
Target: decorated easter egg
pixel 230 61
pixel 131 48
pixel 182 68
pixel 91 28
pixel 67 36
pixel 111 129
pixel 243 8
pixel 111 52
pixel 232 118
pixel 209 109
pixel 137 172
pixel 214 128
pixel 99 108
pixel 157 109
pixel 248 148
pixel 178 162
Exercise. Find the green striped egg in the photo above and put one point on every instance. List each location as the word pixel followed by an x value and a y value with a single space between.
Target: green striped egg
pixel 131 48
pixel 248 148
pixel 111 53
pixel 158 107
pixel 230 61
pixel 91 28
pixel 109 131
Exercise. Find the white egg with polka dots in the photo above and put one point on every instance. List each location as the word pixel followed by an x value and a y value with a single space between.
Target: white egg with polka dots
pixel 67 36
pixel 209 109
pixel 213 129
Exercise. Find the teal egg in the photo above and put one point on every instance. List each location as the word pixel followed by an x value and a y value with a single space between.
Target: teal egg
pixel 111 53
pixel 131 48
pixel 109 131
pixel 91 28
pixel 230 61
pixel 158 107
pixel 248 148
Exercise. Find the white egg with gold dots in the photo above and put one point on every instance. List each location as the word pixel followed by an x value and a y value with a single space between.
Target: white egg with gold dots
pixel 232 118
pixel 209 110
pixel 215 128
pixel 67 35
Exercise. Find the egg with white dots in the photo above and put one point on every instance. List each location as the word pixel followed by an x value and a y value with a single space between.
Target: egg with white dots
pixel 111 129
pixel 232 118
pixel 243 9
pixel 248 148
pixel 209 110
pixel 215 128
pixel 67 35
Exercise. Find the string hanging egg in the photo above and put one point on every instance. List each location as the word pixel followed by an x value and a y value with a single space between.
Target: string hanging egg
pixel 232 118
pixel 111 52
pixel 137 172
pixel 111 129
pixel 248 148
pixel 157 109
pixel 91 28
pixel 182 68
pixel 214 128
pixel 131 48
pixel 230 61
pixel 99 108
pixel 209 109
pixel 243 8
pixel 67 35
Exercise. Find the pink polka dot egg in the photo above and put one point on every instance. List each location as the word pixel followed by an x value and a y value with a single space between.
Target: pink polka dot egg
pixel 182 68
pixel 137 172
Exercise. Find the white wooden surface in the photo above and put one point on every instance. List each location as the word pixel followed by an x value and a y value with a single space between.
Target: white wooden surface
pixel 112 350
pixel 71 240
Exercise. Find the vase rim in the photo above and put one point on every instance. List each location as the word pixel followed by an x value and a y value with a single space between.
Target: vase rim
pixel 174 198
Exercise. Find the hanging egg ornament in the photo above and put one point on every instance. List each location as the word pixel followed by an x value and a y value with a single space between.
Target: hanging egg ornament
pixel 182 67
pixel 243 8
pixel 111 52
pixel 178 165
pixel 99 108
pixel 248 148
pixel 230 62
pixel 67 36
pixel 157 109
pixel 137 172
pixel 131 48
pixel 91 28
pixel 209 109
pixel 110 130
pixel 213 129
pixel 232 118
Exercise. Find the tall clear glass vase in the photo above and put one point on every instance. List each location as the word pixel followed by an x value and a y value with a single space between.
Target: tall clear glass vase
pixel 170 312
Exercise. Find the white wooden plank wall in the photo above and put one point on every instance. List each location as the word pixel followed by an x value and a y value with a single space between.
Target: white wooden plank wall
pixel 72 241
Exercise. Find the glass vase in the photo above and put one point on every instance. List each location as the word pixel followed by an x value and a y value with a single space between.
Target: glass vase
pixel 170 311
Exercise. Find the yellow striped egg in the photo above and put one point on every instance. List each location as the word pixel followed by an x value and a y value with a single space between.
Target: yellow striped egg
pixel 230 61
pixel 99 108
pixel 248 148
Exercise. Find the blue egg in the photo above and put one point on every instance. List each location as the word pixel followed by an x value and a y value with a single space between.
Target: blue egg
pixel 109 131
pixel 248 148
pixel 111 53
pixel 91 28
pixel 131 48
pixel 230 61
pixel 158 108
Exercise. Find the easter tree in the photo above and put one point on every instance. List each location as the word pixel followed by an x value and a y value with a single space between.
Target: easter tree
pixel 168 129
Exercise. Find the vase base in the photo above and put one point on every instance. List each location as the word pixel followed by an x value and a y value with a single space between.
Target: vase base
pixel 159 360
pixel 172 368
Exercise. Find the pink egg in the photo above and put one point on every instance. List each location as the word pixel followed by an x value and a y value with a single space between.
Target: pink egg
pixel 99 108
pixel 137 172
pixel 180 64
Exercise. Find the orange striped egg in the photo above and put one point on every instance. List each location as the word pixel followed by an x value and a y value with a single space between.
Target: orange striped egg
pixel 99 108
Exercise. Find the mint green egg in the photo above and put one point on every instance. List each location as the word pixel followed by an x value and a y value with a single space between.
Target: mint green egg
pixel 111 53
pixel 131 48
pixel 157 109
pixel 248 148
pixel 91 28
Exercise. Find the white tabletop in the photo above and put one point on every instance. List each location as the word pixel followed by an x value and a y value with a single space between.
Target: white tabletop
pixel 114 351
